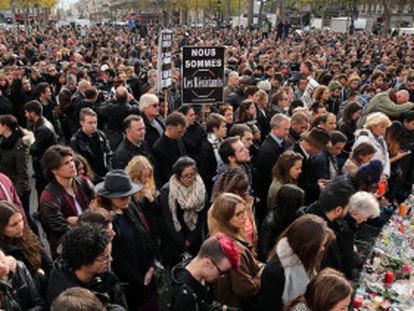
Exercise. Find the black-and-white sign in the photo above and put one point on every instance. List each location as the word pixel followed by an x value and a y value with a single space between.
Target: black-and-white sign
pixel 164 71
pixel 203 75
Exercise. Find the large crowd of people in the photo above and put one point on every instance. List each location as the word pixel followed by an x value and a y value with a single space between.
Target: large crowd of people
pixel 150 204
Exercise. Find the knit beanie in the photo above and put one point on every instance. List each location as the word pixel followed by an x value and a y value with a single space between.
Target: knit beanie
pixel 370 172
pixel 335 85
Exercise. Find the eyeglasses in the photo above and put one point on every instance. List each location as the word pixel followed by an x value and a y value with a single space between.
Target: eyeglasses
pixel 220 271
pixel 104 259
pixel 188 176
pixel 155 105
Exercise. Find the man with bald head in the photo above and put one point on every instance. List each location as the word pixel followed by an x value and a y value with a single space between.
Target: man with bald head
pixel 389 103
pixel 122 105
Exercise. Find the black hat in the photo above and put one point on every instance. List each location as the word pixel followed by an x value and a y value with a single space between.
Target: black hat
pixel 117 184
pixel 319 138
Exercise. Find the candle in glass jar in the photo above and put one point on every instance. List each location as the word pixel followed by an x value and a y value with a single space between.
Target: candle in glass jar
pixel 403 209
pixel 358 302
pixel 389 277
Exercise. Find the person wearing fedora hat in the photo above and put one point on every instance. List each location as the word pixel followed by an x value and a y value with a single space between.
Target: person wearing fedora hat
pixel 312 142
pixel 133 248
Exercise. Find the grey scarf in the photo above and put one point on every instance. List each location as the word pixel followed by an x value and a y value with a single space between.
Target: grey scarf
pixel 190 199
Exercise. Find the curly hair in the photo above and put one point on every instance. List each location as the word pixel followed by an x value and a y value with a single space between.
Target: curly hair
pixel 227 182
pixel 28 243
pixel 136 169
pixel 82 244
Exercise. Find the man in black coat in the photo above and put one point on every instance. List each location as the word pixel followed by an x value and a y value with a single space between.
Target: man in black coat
pixel 312 143
pixel 154 127
pixel 44 96
pixel 333 206
pixel 209 156
pixel 6 107
pixel 44 138
pixel 115 113
pixel 170 147
pixel 86 254
pixel 92 144
pixel 325 163
pixel 190 279
pixel 270 150
pixel 21 93
pixel 133 143
pixel 235 98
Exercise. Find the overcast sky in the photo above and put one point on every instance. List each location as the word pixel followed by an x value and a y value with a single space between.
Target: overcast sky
pixel 65 3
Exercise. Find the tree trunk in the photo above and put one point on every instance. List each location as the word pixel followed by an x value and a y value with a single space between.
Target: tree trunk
pixel 250 13
pixel 228 7
pixel 388 5
pixel 281 11
pixel 259 22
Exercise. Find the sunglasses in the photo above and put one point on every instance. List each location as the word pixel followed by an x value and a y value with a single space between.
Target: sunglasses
pixel 220 271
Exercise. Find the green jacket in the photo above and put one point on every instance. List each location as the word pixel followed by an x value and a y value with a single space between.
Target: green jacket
pixel 383 103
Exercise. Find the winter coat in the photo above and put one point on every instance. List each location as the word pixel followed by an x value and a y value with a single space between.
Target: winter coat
pixel 188 293
pixel 193 140
pixel 21 293
pixel 131 262
pixel 99 160
pixel 14 159
pixel 151 133
pixel 269 153
pixel 105 286
pixel 56 205
pixel 273 284
pixel 307 179
pixel 173 242
pixel 365 135
pixel 240 288
pixel 341 249
pixel 383 103
pixel 166 152
pixel 269 232
pixel 127 150
pixel 45 137
pixel 207 165
pixel 6 185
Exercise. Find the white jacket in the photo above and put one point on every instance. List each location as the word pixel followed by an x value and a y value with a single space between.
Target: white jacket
pixel 365 135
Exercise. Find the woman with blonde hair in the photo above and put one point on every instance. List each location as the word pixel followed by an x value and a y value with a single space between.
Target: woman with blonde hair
pixel 261 99
pixel 373 132
pixel 238 288
pixel 321 95
pixel 141 171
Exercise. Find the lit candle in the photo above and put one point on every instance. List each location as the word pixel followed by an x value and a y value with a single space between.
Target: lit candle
pixel 389 277
pixel 403 209
pixel 358 302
